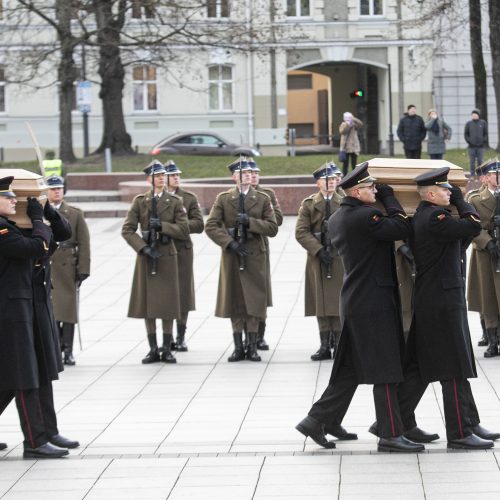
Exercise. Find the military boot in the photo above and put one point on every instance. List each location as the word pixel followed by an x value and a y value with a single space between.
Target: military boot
pixel 252 353
pixel 68 335
pixel 239 351
pixel 180 344
pixel 165 354
pixel 261 343
pixel 153 355
pixel 492 350
pixel 484 339
pixel 324 349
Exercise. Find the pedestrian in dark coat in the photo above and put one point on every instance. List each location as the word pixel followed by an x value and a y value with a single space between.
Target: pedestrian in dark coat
pixel 371 343
pixel 155 292
pixel 476 137
pixel 242 291
pixel 70 267
pixel 322 288
pixel 19 351
pixel 411 132
pixel 184 249
pixel 439 347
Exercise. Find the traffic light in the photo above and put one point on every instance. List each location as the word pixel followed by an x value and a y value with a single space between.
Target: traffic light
pixel 358 93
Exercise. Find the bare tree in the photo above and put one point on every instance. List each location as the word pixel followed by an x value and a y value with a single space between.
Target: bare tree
pixel 494 12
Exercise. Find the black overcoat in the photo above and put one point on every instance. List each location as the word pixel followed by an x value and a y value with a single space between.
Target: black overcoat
pixel 369 299
pixel 18 358
pixel 439 335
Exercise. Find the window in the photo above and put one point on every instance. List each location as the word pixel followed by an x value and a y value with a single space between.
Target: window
pixel 218 8
pixel 220 88
pixel 298 8
pixel 303 130
pixel 145 88
pixel 2 90
pixel 371 7
pixel 299 82
pixel 143 9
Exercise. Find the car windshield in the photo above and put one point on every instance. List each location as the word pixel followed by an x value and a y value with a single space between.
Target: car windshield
pixel 206 140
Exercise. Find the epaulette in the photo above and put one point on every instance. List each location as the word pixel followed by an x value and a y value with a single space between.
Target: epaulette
pixel 262 193
pixel 309 198
pixel 176 196
pixel 473 194
pixel 188 192
pixel 75 209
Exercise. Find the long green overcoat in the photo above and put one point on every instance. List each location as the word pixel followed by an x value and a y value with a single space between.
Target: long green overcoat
pixel 70 259
pixel 242 293
pixel 156 296
pixel 322 294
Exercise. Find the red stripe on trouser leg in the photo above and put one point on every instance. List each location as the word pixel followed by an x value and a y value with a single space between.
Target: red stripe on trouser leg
pixel 458 409
pixel 30 436
pixel 390 409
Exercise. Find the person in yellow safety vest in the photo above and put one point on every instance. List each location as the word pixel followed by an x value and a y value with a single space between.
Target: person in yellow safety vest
pixel 53 166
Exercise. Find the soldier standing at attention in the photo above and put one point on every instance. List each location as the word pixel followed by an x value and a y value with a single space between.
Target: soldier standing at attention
pixel 261 342
pixel 324 271
pixel 155 293
pixel 439 346
pixel 483 292
pixel 239 221
pixel 184 251
pixel 70 267
pixel 371 345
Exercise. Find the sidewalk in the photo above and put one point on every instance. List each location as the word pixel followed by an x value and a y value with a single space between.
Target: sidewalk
pixel 206 428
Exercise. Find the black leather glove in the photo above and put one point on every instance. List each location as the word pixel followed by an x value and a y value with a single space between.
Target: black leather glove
pixel 49 212
pixel 80 278
pixel 456 197
pixel 243 219
pixel 406 252
pixel 150 252
pixel 155 223
pixel 34 210
pixel 325 257
pixel 493 249
pixel 238 249
pixel 383 191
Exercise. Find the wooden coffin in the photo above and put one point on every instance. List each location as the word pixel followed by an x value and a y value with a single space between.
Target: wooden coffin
pixel 25 184
pixel 400 172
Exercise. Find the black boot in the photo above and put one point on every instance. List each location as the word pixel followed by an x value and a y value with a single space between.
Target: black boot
pixel 153 355
pixel 180 344
pixel 239 351
pixel 324 349
pixel 484 339
pixel 261 343
pixel 68 335
pixel 252 353
pixel 492 350
pixel 165 354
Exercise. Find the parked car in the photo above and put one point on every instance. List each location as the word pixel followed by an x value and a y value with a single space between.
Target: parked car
pixel 201 143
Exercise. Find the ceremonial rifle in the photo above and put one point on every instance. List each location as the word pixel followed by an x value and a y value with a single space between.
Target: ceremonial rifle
pixel 241 230
pixel 325 237
pixel 153 233
pixel 496 219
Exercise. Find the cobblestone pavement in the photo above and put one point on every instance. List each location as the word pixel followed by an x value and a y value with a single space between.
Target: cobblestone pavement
pixel 205 428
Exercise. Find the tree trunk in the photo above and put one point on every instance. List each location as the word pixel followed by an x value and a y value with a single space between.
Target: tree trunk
pixel 476 51
pixel 67 75
pixel 494 11
pixel 112 75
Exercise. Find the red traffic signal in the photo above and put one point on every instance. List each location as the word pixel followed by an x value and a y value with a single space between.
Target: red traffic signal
pixel 358 93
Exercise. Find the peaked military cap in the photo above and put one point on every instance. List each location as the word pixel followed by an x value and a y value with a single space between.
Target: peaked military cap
pixel 172 168
pixel 359 175
pixel 239 164
pixel 5 190
pixel 487 167
pixel 253 165
pixel 155 167
pixel 327 170
pixel 54 181
pixel 436 177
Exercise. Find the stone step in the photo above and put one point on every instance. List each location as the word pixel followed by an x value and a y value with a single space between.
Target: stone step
pixel 97 209
pixel 90 195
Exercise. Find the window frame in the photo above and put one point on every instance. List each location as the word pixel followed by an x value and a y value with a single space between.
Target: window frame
pixel 144 84
pixel 220 88
pixel 145 12
pixel 219 9
pixel 371 8
pixel 298 10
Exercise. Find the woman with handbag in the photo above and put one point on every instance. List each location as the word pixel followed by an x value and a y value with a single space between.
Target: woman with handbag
pixel 438 131
pixel 349 141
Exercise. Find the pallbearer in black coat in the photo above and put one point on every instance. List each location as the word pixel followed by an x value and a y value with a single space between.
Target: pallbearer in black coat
pixel 439 346
pixel 371 343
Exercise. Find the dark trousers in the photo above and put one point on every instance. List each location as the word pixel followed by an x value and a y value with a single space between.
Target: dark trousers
pixel 460 411
pixel 66 335
pixel 333 405
pixel 345 164
pixel 36 413
pixel 413 153
pixel 436 156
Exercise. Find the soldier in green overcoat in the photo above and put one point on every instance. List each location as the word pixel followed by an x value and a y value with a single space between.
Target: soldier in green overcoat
pixel 155 287
pixel 324 270
pixel 242 292
pixel 184 251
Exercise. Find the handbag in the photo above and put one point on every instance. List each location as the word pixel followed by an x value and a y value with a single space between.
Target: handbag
pixel 342 156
